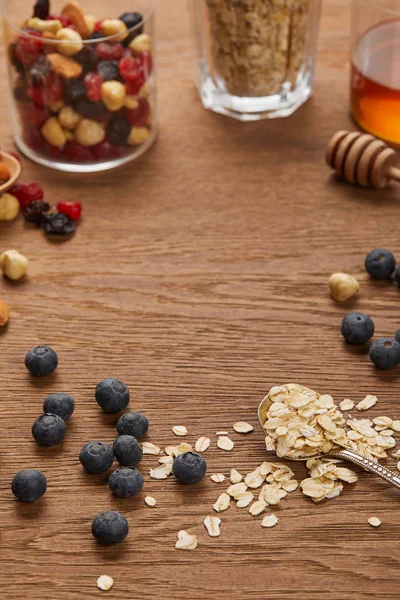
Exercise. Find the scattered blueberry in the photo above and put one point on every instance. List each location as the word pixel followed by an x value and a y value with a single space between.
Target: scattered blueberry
pixel 189 467
pixel 59 404
pixel 110 528
pixel 112 395
pixel 58 224
pixel 29 486
pixel 49 430
pixel 126 482
pixel 109 70
pixel 127 450
pixel 357 328
pixel 41 361
pixel 380 263
pixel 133 423
pixel 385 353
pixel 96 457
pixel 397 336
pixel 41 9
pixel 118 130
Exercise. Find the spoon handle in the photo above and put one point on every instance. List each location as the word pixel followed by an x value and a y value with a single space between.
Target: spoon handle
pixel 368 465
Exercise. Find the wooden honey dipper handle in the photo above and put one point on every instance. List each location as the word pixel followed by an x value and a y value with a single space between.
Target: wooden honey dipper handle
pixel 362 159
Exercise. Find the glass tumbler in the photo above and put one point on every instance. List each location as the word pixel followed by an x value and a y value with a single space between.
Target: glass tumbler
pixel 375 77
pixel 255 58
pixel 82 81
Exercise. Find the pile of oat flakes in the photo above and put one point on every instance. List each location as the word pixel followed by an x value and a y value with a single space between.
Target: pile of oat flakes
pixel 299 423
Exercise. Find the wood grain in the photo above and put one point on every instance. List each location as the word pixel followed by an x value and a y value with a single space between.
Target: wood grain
pixel 199 276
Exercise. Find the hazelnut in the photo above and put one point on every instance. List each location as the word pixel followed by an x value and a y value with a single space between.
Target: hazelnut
pixel 69 117
pixel 53 132
pixel 3 314
pixel 141 43
pixel 343 286
pixel 56 105
pixel 13 264
pixel 9 207
pixel 73 41
pixel 113 27
pixel 131 102
pixel 138 135
pixel 89 133
pixel 113 94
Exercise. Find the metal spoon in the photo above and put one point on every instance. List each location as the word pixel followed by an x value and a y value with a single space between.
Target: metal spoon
pixel 372 466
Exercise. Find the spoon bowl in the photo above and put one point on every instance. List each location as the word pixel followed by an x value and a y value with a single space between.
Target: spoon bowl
pixel 14 166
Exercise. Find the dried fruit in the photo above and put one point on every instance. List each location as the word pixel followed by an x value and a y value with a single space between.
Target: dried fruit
pixel 106 150
pixel 4 172
pixel 58 224
pixel 36 212
pixel 41 9
pixel 138 116
pixel 118 130
pixel 93 83
pixel 27 193
pixel 3 314
pixel 78 153
pixel 13 264
pixel 109 50
pixel 66 67
pixel 9 207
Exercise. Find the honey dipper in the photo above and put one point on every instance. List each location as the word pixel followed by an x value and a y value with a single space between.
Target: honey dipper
pixel 362 159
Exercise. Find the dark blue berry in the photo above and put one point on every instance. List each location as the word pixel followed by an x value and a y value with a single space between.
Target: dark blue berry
pixel 118 130
pixel 87 58
pixel 29 486
pixel 127 450
pixel 357 328
pixel 96 35
pixel 385 353
pixel 108 69
pixel 36 211
pixel 41 361
pixel 58 224
pixel 126 482
pixel 133 423
pixel 112 395
pixel 92 110
pixel 41 10
pixel 380 263
pixel 110 528
pixel 132 19
pixel 49 430
pixel 74 90
pixel 189 467
pixel 397 336
pixel 39 72
pixel 59 404
pixel 96 457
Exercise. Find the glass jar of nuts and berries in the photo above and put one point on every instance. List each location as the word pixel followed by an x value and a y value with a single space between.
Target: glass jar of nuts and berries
pixel 82 79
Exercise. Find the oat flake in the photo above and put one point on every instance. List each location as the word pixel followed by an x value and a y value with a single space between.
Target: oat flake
pixel 212 525
pixel 269 521
pixel 225 443
pixel 150 501
pixel 217 477
pixel 222 503
pixel 242 427
pixel 235 476
pixel 179 430
pixel 149 448
pixel 202 444
pixel 186 541
pixel 346 404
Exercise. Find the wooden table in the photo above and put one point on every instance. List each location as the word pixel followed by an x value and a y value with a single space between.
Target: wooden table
pixel 199 277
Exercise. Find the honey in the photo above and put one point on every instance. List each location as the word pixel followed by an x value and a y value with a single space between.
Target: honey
pixel 375 81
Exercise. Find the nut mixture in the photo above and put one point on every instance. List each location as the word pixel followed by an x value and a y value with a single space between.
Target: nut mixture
pixel 257 45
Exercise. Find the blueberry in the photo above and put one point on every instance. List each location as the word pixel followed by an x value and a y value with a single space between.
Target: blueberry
pixel 96 35
pixel 41 361
pixel 29 486
pixel 36 212
pixel 74 90
pixel 110 528
pixel 189 467
pixel 118 130
pixel 109 70
pixel 385 353
pixel 357 328
pixel 92 110
pixel 58 224
pixel 397 336
pixel 397 274
pixel 96 457
pixel 380 263
pixel 41 10
pixel 126 482
pixel 112 395
pixel 132 19
pixel 49 430
pixel 59 404
pixel 133 423
pixel 87 58
pixel 127 450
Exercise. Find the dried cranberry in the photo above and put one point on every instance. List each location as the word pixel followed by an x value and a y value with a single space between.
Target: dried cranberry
pixel 36 211
pixel 146 60
pixel 118 130
pixel 138 116
pixel 41 9
pixel 93 83
pixel 33 137
pixel 58 224
pixel 65 21
pixel 37 93
pixel 54 152
pixel 72 209
pixel 28 47
pixel 34 115
pixel 109 50
pixel 133 87
pixel 54 90
pixel 130 68
pixel 27 193
pixel 98 25
pixel 106 150
pixel 77 153
pixel 87 58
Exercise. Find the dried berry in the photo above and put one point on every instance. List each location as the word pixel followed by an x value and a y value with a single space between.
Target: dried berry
pixel 29 47
pixel 130 68
pixel 106 150
pixel 109 50
pixel 36 211
pixel 34 115
pixel 77 153
pixel 133 87
pixel 39 72
pixel 72 209
pixel 138 116
pixel 96 35
pixel 41 9
pixel 14 60
pixel 132 19
pixel 33 137
pixel 93 83
pixel 118 130
pixel 87 58
pixel 108 69
pixel 92 110
pixel 65 21
pixel 27 193
pixel 74 91
pixel 146 60
pixel 58 224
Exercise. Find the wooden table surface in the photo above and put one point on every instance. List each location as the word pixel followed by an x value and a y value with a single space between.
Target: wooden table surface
pixel 199 276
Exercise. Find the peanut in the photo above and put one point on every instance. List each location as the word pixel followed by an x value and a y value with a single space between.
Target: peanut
pixel 73 41
pixel 69 118
pixel 13 264
pixel 343 286
pixel 140 43
pixel 55 106
pixel 51 26
pixel 131 102
pixel 53 132
pixel 4 172
pixel 9 207
pixel 89 133
pixel 3 314
pixel 138 135
pixel 113 27
pixel 113 94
